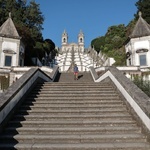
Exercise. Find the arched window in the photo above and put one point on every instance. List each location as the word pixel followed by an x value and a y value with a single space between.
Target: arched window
pixel 64 40
pixel 80 39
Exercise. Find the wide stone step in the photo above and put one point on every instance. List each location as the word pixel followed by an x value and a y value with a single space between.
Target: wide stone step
pixel 73 117
pixel 74 89
pixel 84 94
pixel 71 87
pixel 85 138
pixel 76 105
pixel 72 123
pixel 75 112
pixel 74 83
pixel 82 84
pixel 35 97
pixel 74 92
pixel 71 107
pixel 73 130
pixel 78 146
pixel 72 101
pixel 68 85
pixel 52 118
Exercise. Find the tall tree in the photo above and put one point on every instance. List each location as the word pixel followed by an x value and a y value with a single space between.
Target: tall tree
pixel 6 6
pixel 28 20
pixel 144 7
pixel 34 20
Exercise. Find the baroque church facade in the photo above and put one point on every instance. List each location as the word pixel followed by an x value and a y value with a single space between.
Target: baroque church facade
pixel 71 53
pixel 76 53
pixel 69 46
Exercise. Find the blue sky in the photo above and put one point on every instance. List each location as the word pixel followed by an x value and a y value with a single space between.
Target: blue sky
pixel 93 17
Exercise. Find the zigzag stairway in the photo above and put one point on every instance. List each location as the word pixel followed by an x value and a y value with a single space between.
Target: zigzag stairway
pixel 73 115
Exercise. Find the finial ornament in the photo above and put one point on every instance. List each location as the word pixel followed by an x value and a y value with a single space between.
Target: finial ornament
pixel 9 14
pixel 140 14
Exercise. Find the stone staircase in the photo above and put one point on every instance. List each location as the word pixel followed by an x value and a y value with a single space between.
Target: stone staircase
pixel 69 77
pixel 73 116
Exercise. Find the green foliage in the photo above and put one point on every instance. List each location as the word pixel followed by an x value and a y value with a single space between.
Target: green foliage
pixel 4 82
pixel 144 7
pixel 48 45
pixel 44 47
pixel 28 20
pixel 144 85
pixel 119 56
pixel 112 44
pixel 98 43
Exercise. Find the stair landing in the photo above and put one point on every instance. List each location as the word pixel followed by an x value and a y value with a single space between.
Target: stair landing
pixel 69 77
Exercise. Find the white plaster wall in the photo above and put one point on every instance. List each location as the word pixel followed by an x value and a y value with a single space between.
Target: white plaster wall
pixel 135 44
pixel 148 57
pixel 141 45
pixel 9 46
pixel 2 60
pixel 14 60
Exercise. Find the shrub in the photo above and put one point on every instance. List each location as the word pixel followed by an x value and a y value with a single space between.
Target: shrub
pixel 144 85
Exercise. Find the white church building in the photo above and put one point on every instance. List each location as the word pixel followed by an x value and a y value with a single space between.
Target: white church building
pixel 67 47
pixel 76 53
pixel 138 45
pixel 11 47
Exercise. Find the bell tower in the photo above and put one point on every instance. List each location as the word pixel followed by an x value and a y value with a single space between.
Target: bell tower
pixel 64 39
pixel 81 41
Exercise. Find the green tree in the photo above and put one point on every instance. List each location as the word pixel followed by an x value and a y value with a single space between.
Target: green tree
pixel 144 7
pixel 6 6
pixel 111 44
pixel 33 35
pixel 98 43
pixel 49 45
pixel 34 20
pixel 28 20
